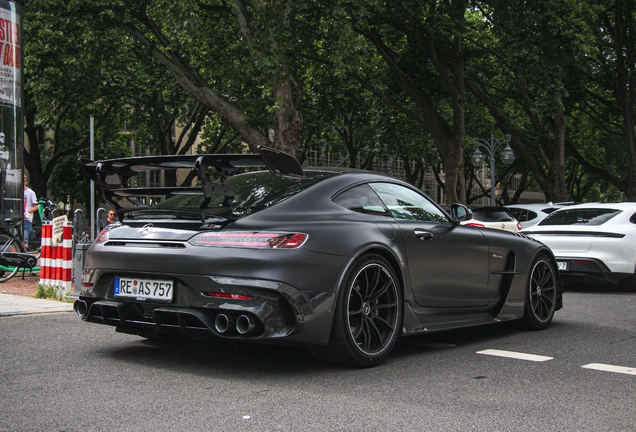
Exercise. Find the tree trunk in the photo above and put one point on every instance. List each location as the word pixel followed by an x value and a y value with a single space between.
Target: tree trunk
pixel 288 119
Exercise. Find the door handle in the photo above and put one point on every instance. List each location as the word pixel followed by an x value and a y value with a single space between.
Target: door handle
pixel 422 234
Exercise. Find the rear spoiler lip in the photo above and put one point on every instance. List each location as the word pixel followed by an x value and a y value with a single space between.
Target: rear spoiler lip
pixel 225 164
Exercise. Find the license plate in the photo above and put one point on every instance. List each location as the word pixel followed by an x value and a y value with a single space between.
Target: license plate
pixel 144 289
pixel 562 265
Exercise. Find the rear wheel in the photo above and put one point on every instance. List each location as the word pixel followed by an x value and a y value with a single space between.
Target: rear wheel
pixel 9 244
pixel 368 316
pixel 541 295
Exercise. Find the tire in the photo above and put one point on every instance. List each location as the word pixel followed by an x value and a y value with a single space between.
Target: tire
pixel 9 244
pixel 368 315
pixel 541 295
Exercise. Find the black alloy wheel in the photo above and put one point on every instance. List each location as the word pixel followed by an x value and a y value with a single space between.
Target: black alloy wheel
pixel 541 295
pixel 368 317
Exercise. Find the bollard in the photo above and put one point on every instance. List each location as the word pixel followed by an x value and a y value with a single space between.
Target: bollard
pixel 80 259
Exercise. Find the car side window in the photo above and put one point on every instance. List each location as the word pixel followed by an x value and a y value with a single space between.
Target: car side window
pixel 362 199
pixel 405 203
pixel 518 213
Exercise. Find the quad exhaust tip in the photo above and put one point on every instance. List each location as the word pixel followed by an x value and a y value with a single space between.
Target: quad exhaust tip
pixel 80 307
pixel 222 323
pixel 244 324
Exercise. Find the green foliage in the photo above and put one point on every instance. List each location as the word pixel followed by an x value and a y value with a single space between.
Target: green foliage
pixel 46 292
pixel 414 79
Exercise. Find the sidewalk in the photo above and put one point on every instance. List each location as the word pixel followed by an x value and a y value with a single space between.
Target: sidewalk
pixel 21 305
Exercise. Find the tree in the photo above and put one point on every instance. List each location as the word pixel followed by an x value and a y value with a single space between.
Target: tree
pixel 606 147
pixel 220 53
pixel 65 84
pixel 530 77
pixel 76 69
pixel 421 45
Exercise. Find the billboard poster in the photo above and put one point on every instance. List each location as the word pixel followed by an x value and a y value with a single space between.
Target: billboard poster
pixel 11 112
pixel 10 55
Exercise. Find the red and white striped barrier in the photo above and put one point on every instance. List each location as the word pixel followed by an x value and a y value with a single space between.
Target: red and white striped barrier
pixel 56 262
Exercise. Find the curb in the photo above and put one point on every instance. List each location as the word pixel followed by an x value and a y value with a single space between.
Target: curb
pixel 12 305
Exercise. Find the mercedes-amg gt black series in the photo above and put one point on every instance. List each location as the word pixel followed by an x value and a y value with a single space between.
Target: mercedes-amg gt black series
pixel 341 261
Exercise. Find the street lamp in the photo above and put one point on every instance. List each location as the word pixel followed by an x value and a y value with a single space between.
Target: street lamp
pixel 491 146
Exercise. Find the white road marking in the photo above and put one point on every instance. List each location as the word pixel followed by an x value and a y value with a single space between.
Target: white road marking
pixel 514 355
pixel 610 368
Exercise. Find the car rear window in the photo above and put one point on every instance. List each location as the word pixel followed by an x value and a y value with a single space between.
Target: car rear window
pixel 492 215
pixel 253 192
pixel 588 216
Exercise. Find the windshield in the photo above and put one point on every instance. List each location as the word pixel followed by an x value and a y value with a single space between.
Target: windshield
pixel 253 192
pixel 588 216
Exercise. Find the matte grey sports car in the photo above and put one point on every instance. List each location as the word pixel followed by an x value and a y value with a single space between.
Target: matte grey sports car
pixel 341 261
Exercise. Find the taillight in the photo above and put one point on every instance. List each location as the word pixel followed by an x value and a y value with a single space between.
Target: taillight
pixel 476 224
pixel 258 240
pixel 519 226
pixel 102 237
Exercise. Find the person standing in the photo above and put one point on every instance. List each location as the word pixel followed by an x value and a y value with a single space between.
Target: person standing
pixel 30 206
pixel 111 217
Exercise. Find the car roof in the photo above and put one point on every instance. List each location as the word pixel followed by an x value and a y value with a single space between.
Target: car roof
pixel 618 206
pixel 535 206
pixel 487 208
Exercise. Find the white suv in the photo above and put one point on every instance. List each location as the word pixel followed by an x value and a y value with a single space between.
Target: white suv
pixel 592 242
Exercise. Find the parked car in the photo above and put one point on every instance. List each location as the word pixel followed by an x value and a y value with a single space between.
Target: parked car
pixel 493 217
pixel 592 242
pixel 342 261
pixel 531 214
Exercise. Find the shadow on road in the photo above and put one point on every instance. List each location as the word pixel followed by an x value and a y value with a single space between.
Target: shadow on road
pixel 597 288
pixel 245 360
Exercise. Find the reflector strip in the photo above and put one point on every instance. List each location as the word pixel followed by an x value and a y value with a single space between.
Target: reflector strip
pixel 514 355
pixel 235 239
pixel 610 368
pixel 229 296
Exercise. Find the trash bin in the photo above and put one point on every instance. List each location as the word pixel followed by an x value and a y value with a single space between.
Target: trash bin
pixel 80 259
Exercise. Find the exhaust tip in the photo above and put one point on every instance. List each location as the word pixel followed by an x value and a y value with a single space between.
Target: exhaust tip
pixel 80 307
pixel 244 324
pixel 221 323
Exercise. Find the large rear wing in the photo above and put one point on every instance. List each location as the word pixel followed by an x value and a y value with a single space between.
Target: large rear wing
pixel 122 170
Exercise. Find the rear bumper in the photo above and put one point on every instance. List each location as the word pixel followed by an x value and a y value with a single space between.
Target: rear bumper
pixel 588 270
pixel 273 311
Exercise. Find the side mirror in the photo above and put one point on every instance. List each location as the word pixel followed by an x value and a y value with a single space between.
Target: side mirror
pixel 459 213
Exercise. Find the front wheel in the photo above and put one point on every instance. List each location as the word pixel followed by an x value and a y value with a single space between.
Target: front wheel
pixel 9 244
pixel 368 315
pixel 541 295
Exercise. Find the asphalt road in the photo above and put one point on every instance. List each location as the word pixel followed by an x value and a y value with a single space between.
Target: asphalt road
pixel 60 374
